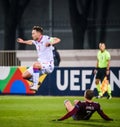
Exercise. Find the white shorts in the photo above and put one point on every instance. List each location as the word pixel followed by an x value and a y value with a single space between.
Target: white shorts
pixel 47 68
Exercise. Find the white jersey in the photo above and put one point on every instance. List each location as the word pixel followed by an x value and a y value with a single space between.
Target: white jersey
pixel 45 54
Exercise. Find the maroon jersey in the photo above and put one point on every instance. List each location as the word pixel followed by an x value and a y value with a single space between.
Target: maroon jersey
pixel 83 110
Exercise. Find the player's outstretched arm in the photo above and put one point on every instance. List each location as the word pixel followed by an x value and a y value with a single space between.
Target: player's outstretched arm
pixel 56 40
pixel 53 41
pixel 103 115
pixel 29 42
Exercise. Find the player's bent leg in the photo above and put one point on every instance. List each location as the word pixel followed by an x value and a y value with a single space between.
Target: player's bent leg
pixel 40 69
pixel 37 65
pixel 68 105
pixel 36 69
pixel 98 87
pixel 26 75
pixel 109 92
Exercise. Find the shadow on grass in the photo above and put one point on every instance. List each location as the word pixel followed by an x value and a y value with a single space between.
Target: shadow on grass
pixel 88 123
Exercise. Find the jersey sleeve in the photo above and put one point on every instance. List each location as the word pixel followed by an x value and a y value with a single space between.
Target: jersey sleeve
pixel 102 114
pixel 51 39
pixel 33 42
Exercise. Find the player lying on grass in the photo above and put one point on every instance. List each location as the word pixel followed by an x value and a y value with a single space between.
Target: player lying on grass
pixel 45 62
pixel 83 110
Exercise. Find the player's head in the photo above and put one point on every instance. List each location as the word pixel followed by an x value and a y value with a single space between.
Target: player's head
pixel 102 46
pixel 36 32
pixel 89 94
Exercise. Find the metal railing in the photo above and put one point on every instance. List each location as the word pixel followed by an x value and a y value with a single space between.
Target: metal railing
pixel 68 57
pixel 8 58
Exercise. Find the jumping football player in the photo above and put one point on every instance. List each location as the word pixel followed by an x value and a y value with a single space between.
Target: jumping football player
pixel 83 110
pixel 45 62
pixel 102 70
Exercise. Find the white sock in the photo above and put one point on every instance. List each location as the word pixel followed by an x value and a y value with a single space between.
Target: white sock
pixel 35 76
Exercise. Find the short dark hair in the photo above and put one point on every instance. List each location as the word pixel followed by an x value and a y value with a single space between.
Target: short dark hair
pixel 38 28
pixel 89 94
pixel 102 43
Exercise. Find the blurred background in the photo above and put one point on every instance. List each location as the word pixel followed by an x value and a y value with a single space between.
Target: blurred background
pixel 81 24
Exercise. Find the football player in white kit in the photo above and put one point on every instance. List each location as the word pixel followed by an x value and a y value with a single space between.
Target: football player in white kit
pixel 45 62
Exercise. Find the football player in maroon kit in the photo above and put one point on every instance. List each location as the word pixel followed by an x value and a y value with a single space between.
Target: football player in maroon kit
pixel 83 110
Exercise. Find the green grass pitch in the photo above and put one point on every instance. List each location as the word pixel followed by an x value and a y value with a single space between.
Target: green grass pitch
pixel 39 111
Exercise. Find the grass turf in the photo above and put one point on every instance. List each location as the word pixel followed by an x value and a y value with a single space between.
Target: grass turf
pixel 33 111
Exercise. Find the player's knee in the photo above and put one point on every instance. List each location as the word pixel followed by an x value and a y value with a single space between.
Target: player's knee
pixel 96 81
pixel 36 65
pixel 26 75
pixel 66 101
pixel 23 76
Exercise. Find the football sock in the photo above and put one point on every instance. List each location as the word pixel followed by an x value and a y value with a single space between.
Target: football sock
pixel 99 89
pixel 35 76
pixel 109 90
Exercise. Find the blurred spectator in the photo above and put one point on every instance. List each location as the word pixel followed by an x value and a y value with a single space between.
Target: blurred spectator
pixel 56 56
